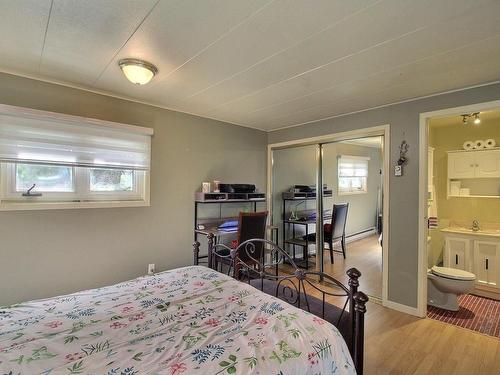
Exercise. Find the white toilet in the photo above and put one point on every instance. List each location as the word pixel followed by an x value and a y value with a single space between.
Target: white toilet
pixel 445 284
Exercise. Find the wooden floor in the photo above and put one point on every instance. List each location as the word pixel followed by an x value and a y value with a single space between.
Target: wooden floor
pixel 366 256
pixel 398 343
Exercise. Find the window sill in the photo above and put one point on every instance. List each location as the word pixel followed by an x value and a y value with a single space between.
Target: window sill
pixel 352 193
pixel 28 206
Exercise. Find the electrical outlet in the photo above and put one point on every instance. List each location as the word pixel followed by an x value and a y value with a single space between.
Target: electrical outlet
pixel 151 269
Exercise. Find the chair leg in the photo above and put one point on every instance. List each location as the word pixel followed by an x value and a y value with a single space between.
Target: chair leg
pixel 330 246
pixel 343 245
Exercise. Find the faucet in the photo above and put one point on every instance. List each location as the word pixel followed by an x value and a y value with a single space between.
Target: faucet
pixel 475 225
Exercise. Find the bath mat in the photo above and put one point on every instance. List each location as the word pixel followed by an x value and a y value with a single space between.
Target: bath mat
pixel 476 313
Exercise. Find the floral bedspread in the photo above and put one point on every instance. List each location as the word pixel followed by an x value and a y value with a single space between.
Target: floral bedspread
pixel 190 320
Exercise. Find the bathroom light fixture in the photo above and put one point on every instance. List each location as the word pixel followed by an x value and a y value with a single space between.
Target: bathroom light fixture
pixel 138 71
pixel 467 116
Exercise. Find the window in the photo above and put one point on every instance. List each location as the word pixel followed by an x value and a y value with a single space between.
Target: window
pixel 63 184
pixel 71 162
pixel 352 174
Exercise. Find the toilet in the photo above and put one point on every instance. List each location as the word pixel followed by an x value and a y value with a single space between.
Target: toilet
pixel 445 284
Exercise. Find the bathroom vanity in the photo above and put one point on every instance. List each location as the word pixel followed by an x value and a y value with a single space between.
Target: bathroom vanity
pixel 477 252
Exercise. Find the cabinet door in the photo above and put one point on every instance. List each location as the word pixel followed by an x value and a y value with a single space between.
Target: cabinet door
pixel 456 253
pixel 461 165
pixel 486 254
pixel 488 163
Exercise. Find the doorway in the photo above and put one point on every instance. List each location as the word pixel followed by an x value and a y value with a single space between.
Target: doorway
pixel 450 199
pixel 319 175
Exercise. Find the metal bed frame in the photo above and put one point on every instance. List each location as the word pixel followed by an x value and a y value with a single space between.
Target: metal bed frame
pixel 260 268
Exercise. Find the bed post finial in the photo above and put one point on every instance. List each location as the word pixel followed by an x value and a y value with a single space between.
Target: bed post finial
pixel 360 300
pixel 354 275
pixel 196 252
pixel 210 238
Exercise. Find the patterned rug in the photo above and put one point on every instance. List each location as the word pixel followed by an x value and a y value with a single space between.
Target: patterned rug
pixel 476 313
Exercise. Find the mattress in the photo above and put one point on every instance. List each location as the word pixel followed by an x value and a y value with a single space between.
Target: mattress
pixel 190 320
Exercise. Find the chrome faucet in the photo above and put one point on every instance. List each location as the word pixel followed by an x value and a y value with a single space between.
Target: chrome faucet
pixel 475 225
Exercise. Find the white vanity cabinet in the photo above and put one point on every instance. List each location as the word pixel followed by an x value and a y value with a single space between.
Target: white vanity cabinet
pixel 474 164
pixel 477 253
pixel 457 253
pixel 486 267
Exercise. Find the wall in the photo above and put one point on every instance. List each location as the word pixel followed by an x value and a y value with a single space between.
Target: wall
pixel 45 253
pixel 403 213
pixel 486 210
pixel 297 166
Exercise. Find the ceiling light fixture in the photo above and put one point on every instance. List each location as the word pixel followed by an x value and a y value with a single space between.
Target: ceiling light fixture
pixel 467 116
pixel 477 120
pixel 138 71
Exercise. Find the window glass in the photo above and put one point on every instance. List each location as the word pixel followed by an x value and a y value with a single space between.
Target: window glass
pixel 47 178
pixel 353 173
pixel 103 180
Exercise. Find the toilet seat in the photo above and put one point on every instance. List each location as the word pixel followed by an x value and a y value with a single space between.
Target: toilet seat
pixel 453 273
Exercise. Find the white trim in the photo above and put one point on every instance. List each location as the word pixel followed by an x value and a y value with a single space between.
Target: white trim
pixel 422 183
pixel 121 97
pixel 360 235
pixel 17 206
pixel 129 99
pixel 380 130
pixel 402 308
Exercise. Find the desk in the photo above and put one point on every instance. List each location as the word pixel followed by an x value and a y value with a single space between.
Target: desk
pixel 218 234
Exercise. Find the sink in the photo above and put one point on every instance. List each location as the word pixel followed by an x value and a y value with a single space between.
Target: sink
pixel 481 232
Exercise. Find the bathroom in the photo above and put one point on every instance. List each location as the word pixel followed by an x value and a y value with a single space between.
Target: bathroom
pixel 463 247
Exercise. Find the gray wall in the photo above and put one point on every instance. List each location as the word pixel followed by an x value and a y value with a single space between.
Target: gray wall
pixel 298 166
pixel 45 253
pixel 403 212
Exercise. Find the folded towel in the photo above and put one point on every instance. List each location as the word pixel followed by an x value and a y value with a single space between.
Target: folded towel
pixel 433 222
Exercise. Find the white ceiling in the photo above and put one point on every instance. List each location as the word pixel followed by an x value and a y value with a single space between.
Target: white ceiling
pixel 266 64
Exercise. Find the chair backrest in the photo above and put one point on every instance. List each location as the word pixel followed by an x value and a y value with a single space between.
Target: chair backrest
pixel 252 225
pixel 339 219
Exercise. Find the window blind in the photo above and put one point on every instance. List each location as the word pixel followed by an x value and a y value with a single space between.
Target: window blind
pixel 40 137
pixel 353 166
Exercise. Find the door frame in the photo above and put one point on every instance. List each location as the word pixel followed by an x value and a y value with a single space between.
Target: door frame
pixel 380 130
pixel 423 185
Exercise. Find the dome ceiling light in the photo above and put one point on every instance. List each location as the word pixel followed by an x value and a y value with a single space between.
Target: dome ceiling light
pixel 138 71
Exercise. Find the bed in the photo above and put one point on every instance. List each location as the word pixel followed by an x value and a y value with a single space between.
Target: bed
pixel 191 320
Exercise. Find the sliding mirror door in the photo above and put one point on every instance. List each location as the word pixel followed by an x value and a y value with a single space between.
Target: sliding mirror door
pixel 352 196
pixel 294 202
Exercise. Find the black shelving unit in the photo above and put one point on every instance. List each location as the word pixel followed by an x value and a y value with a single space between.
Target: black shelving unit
pixel 290 225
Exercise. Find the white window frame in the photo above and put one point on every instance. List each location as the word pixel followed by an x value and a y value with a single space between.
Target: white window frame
pixel 351 191
pixel 81 197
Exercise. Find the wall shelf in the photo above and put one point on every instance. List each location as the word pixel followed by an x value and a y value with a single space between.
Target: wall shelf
pixel 478 171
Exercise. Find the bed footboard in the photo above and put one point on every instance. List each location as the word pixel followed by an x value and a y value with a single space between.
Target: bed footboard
pixel 307 290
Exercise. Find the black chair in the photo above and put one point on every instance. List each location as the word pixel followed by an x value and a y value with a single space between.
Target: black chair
pixel 335 232
pixel 251 225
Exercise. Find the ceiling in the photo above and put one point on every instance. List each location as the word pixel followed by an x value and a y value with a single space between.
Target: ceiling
pixel 266 64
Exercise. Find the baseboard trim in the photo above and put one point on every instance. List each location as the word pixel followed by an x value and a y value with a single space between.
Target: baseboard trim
pixel 403 308
pixel 360 235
